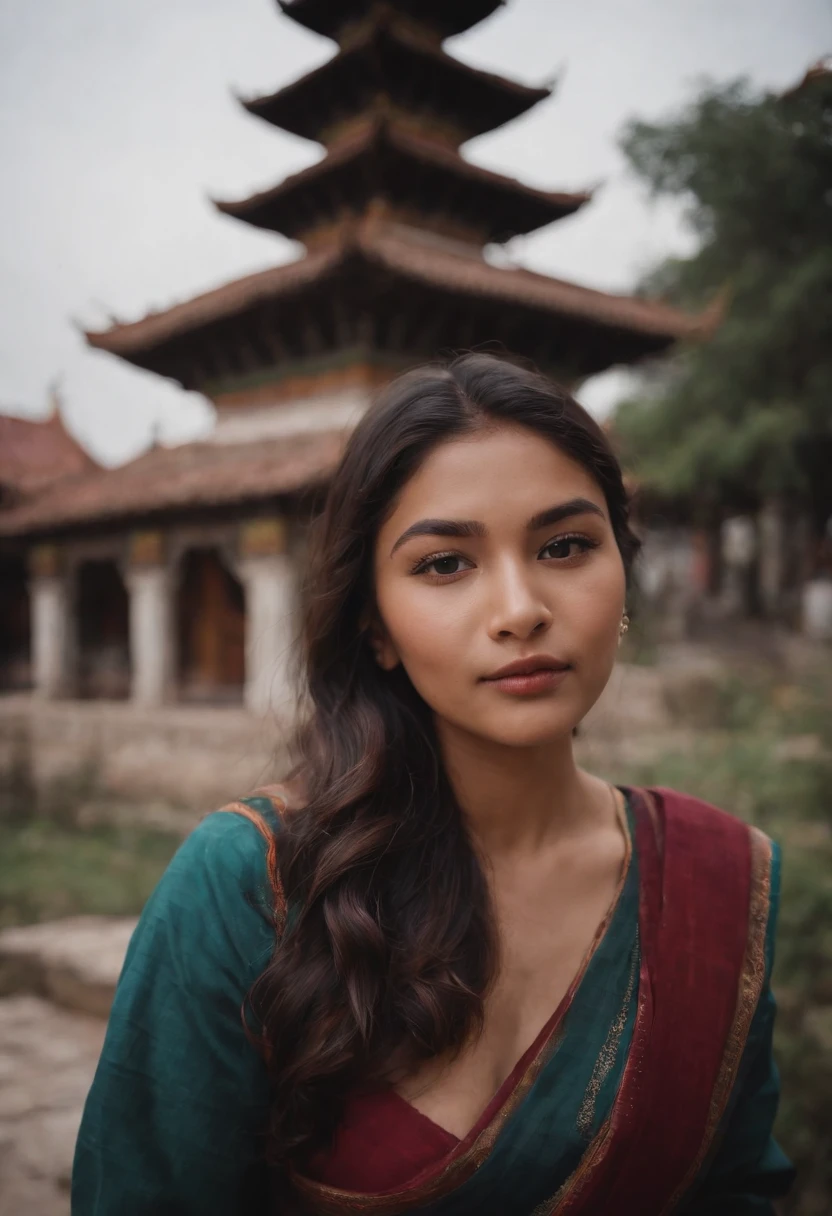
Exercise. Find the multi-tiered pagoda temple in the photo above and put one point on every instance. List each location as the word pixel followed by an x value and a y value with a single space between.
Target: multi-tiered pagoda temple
pixel 394 220
pixel 204 539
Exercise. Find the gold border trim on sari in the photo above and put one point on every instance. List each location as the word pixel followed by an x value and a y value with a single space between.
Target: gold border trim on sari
pixel 333 1201
pixel 609 1052
pixel 748 995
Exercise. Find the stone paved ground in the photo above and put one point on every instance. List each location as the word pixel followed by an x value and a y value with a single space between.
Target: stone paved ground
pixel 56 985
pixel 47 1059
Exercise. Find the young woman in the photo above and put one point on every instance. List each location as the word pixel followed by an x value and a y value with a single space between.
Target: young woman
pixel 442 969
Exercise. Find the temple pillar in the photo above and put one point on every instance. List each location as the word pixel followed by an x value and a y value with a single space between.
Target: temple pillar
pixel 151 621
pixel 269 576
pixel 52 624
pixel 151 635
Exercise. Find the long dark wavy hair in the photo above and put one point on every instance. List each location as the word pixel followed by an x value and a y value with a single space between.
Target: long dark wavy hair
pixel 392 944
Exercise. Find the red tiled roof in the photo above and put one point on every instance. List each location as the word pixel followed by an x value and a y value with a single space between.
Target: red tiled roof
pixel 34 454
pixel 189 475
pixel 421 257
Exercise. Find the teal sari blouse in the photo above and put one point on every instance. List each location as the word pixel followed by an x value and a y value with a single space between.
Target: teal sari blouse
pixel 174 1121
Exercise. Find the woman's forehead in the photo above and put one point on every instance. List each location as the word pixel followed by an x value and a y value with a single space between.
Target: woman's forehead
pixel 494 470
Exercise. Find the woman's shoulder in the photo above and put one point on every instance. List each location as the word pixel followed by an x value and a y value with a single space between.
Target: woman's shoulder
pixel 233 836
pixel 230 857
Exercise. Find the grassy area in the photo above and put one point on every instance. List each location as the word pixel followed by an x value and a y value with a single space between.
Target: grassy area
pixel 49 870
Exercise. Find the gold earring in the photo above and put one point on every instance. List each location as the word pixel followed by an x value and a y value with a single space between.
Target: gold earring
pixel 624 626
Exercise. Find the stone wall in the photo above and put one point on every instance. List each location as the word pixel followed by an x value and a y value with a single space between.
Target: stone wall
pixel 183 757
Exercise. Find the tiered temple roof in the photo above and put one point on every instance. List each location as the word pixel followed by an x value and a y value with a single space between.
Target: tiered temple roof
pixel 388 65
pixel 320 304
pixel 409 176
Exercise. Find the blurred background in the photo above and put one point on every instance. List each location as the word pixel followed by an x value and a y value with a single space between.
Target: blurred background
pixel 223 227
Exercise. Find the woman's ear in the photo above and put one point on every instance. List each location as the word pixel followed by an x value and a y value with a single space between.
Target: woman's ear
pixel 386 654
pixel 381 645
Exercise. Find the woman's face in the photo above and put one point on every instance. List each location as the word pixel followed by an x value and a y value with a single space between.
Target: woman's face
pixel 500 548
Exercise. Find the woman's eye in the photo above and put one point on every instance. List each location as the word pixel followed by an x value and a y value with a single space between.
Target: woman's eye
pixel 444 564
pixel 452 564
pixel 567 546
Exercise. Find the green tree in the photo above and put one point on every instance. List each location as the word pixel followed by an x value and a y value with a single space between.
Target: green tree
pixel 746 410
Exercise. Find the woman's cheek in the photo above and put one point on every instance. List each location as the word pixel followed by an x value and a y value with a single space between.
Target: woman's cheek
pixel 434 655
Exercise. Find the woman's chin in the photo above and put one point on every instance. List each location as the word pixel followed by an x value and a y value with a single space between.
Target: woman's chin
pixel 529 730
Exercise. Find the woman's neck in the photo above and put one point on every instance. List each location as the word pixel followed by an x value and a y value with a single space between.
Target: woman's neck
pixel 519 800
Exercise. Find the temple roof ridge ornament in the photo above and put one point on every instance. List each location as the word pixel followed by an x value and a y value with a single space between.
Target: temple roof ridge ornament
pixel 445 17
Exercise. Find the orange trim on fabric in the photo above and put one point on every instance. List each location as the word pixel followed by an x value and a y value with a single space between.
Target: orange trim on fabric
pixel 272 869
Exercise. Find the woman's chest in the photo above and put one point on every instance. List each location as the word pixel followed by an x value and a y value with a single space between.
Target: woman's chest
pixel 545 941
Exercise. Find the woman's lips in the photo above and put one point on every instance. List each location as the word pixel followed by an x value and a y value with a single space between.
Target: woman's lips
pixel 542 680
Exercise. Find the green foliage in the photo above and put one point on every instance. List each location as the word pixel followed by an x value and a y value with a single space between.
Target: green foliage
pixel 749 410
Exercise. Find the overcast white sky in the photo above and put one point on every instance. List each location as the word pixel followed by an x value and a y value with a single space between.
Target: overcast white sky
pixel 118 122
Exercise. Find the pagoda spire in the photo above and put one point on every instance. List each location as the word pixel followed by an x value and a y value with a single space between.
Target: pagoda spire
pixel 392 108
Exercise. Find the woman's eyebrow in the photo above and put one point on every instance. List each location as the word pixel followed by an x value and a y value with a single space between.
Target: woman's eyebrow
pixel 564 510
pixel 441 527
pixel 473 527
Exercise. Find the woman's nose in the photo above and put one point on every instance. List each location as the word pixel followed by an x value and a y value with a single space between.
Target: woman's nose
pixel 518 609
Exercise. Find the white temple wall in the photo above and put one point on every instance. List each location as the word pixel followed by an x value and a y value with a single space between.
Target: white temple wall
pixel 330 411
